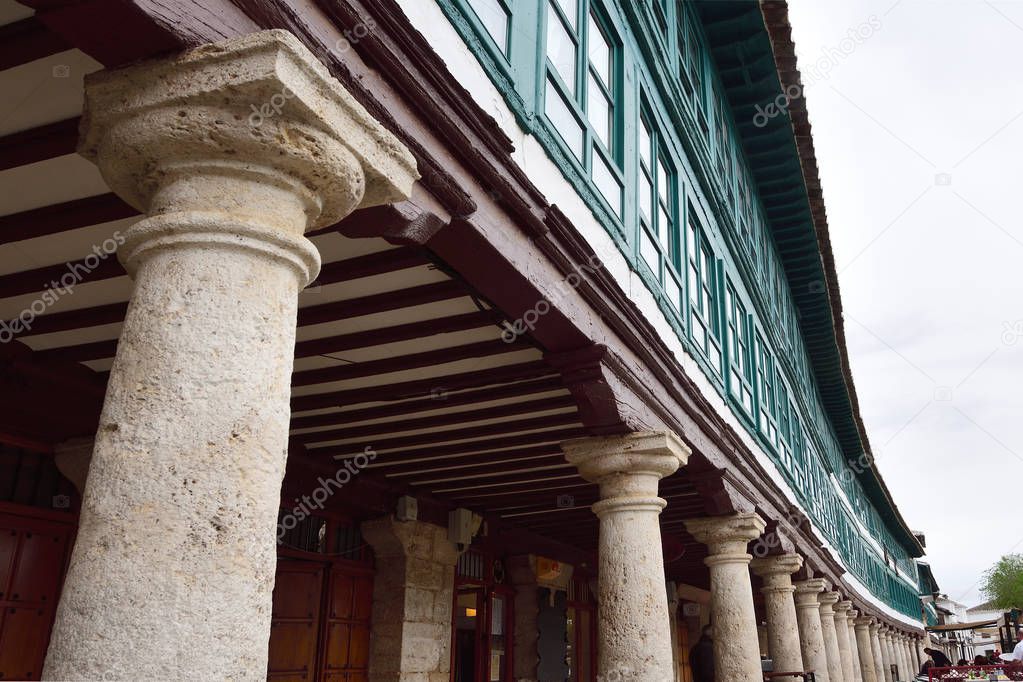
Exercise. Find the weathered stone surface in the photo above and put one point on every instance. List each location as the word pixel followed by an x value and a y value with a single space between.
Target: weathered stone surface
pixel 782 627
pixel 844 645
pixel 811 632
pixel 736 645
pixel 865 648
pixel 173 568
pixel 412 598
pixel 883 675
pixel 854 645
pixel 634 636
pixel 830 633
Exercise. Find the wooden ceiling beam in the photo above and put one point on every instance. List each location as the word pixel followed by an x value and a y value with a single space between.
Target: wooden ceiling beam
pixel 460 417
pixel 40 143
pixel 63 217
pixel 401 468
pixel 402 409
pixel 418 388
pixel 27 40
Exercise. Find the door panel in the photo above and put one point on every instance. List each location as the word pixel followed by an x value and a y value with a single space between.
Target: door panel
pixel 294 629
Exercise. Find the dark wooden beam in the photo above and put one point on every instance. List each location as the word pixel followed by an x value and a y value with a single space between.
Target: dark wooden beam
pixel 424 475
pixel 403 363
pixel 402 409
pixel 401 468
pixel 436 437
pixel 513 472
pixel 436 386
pixel 38 144
pixel 69 215
pixel 27 40
pixel 440 452
pixel 459 417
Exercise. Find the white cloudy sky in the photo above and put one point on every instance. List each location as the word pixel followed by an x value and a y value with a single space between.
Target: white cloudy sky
pixel 930 268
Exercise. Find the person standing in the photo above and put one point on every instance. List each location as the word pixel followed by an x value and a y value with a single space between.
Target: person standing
pixel 701 657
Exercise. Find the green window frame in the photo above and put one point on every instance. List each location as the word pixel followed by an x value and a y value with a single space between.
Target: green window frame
pixel 702 281
pixel 657 195
pixel 691 65
pixel 740 361
pixel 766 409
pixel 784 437
pixel 581 92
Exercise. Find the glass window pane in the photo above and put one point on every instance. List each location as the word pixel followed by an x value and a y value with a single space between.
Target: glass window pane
pixel 599 111
pixel 600 52
pixel 662 180
pixel 561 49
pixel 570 8
pixel 494 18
pixel 646 191
pixel 606 182
pixel 644 143
pixel 673 290
pixel 664 228
pixel 649 252
pixel 563 120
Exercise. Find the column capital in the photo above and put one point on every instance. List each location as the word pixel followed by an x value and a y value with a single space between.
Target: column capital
pixel 864 623
pixel 875 626
pixel 248 142
pixel 727 536
pixel 852 615
pixel 779 564
pixel 844 608
pixel 827 601
pixel 807 591
pixel 656 453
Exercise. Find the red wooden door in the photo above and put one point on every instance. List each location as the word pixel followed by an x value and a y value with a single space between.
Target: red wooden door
pixel 33 554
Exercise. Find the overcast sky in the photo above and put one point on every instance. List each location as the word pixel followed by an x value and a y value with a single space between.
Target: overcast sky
pixel 919 135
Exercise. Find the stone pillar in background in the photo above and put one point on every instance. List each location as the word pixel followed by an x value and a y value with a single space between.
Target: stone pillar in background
pixel 854 645
pixel 633 632
pixel 412 599
pixel 736 644
pixel 811 634
pixel 73 458
pixel 830 635
pixel 883 674
pixel 865 649
pixel 173 568
pixel 888 652
pixel 782 627
pixel 844 645
pixel 522 574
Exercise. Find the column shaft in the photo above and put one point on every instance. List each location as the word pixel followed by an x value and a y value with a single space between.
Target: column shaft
pixel 844 645
pixel 634 634
pixel 811 634
pixel 782 625
pixel 736 642
pixel 865 649
pixel 830 635
pixel 883 674
pixel 173 568
pixel 854 645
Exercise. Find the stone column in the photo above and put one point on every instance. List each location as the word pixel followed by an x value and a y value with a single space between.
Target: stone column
pixel 844 646
pixel 854 645
pixel 865 648
pixel 900 654
pixel 883 674
pixel 633 632
pixel 811 634
pixel 736 644
pixel 173 568
pixel 522 574
pixel 888 652
pixel 782 628
pixel 412 598
pixel 673 602
pixel 830 634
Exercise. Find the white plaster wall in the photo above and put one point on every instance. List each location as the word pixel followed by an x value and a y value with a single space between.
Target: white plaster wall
pixel 428 18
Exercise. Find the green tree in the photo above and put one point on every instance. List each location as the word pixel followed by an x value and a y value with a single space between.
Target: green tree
pixel 1003 582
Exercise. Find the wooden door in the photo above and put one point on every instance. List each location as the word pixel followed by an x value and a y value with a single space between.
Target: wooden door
pixel 33 555
pixel 321 619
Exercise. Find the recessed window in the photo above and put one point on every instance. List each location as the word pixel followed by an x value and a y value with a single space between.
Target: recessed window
pixel 704 322
pixel 657 190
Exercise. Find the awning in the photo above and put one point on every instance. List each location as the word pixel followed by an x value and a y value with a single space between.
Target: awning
pixel 962 626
